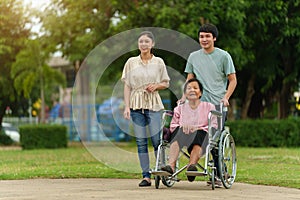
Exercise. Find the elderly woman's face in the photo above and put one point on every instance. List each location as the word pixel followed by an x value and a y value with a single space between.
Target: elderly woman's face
pixel 193 91
pixel 145 44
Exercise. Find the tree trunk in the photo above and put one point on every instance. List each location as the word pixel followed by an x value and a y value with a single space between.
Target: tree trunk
pixel 248 97
pixel 1 119
pixel 283 107
pixel 288 62
pixel 43 115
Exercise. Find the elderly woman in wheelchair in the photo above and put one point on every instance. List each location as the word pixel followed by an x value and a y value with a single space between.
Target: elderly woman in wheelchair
pixel 192 125
pixel 189 127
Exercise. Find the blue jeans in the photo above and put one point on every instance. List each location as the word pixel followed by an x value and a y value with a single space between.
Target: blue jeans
pixel 141 119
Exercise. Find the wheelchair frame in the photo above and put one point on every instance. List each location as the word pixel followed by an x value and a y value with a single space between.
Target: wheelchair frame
pixel 220 141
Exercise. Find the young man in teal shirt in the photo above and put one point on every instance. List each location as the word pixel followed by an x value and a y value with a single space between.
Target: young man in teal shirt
pixel 215 70
pixel 213 67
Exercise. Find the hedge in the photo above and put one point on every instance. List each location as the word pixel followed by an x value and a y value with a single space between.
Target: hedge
pixel 43 136
pixel 266 133
pixel 5 139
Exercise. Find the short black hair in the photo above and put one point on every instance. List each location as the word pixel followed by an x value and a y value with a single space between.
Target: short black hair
pixel 209 28
pixel 192 80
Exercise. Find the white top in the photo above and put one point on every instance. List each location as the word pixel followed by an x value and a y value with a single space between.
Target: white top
pixel 137 75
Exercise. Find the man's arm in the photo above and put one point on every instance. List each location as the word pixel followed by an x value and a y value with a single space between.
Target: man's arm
pixel 231 87
pixel 190 76
pixel 182 99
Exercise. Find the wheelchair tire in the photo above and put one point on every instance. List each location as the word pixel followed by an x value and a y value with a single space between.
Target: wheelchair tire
pixel 213 180
pixel 227 162
pixel 157 180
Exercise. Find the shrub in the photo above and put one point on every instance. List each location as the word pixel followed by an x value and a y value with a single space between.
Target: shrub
pixel 266 133
pixel 43 136
pixel 5 139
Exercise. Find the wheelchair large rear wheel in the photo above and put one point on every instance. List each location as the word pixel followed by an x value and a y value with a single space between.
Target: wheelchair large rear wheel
pixel 227 163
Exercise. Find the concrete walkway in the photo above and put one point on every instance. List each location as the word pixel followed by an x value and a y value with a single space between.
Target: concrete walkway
pixel 127 189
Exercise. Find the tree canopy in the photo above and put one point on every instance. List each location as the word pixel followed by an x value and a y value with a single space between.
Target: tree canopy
pixel 261 36
pixel 13 34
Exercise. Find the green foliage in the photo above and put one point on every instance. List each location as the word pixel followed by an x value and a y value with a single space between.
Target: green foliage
pixel 266 133
pixel 43 136
pixel 261 36
pixel 76 27
pixel 5 139
pixel 30 70
pixel 13 33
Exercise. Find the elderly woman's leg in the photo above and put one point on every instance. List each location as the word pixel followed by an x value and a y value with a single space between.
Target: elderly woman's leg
pixel 195 154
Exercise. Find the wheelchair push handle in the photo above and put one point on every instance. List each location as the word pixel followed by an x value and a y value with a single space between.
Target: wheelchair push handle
pixel 223 108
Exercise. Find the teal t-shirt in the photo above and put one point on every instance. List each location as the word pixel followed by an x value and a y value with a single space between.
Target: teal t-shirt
pixel 212 71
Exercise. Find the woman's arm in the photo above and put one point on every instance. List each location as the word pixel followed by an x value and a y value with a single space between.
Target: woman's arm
pixel 127 91
pixel 175 122
pixel 157 86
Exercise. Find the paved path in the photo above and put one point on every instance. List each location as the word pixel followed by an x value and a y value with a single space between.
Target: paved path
pixel 127 189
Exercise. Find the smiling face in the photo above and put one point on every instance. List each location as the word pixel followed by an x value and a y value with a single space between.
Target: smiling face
pixel 193 91
pixel 207 41
pixel 145 44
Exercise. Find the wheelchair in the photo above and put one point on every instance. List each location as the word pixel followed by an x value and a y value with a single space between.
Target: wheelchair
pixel 220 155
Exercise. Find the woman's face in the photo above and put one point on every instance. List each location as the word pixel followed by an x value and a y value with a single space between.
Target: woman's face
pixel 145 44
pixel 192 91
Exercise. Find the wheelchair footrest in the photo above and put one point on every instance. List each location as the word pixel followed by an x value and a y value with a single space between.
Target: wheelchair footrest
pixel 161 173
pixel 195 173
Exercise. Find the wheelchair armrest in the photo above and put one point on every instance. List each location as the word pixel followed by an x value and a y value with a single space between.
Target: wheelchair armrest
pixel 216 113
pixel 168 112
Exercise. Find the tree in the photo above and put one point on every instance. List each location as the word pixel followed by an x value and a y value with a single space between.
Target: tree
pixel 186 17
pixel 13 33
pixel 273 29
pixel 253 32
pixel 76 27
pixel 30 70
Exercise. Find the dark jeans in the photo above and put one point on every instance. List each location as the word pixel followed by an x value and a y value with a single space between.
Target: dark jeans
pixel 215 151
pixel 141 120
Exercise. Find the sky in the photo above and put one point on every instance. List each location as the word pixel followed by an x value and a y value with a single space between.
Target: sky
pixel 40 4
pixel 37 3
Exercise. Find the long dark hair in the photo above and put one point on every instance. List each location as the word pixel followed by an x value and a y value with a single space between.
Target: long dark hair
pixel 150 35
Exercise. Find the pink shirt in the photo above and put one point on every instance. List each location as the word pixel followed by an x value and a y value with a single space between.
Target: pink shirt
pixel 185 115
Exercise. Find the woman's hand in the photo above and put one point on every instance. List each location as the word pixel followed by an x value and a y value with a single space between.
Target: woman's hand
pixel 187 129
pixel 126 113
pixel 152 87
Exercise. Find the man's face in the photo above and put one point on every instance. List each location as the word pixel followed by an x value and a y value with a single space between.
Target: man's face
pixel 206 41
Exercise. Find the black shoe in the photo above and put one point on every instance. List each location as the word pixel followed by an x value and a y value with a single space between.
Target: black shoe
pixel 191 168
pixel 144 183
pixel 218 183
pixel 167 168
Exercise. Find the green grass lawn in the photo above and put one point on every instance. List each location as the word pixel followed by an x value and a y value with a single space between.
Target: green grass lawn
pixel 266 166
